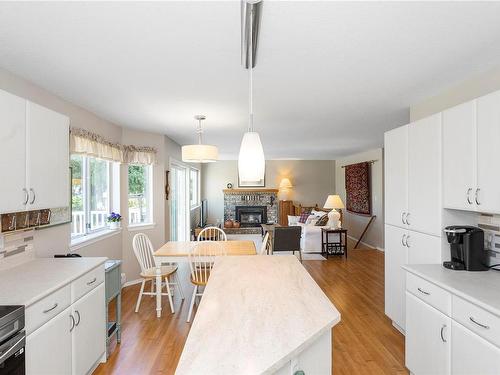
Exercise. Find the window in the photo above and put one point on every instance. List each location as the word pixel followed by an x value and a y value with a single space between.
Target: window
pixel 194 187
pixel 139 194
pixel 90 200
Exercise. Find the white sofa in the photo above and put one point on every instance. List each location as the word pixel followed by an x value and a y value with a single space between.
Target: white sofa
pixel 310 241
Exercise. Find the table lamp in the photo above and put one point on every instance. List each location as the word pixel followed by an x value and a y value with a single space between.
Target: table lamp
pixel 285 185
pixel 335 203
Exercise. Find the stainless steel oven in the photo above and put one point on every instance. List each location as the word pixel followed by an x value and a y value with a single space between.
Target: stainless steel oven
pixel 12 340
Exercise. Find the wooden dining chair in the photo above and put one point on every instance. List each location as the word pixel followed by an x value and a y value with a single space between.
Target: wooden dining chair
pixel 212 234
pixel 143 250
pixel 265 248
pixel 201 261
pixel 287 239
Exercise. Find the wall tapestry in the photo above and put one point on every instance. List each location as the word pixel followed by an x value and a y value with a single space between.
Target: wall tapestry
pixel 358 188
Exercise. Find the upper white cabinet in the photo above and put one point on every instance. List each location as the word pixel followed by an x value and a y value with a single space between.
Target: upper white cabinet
pixel 488 153
pixel 471 136
pixel 34 156
pixel 13 153
pixel 396 176
pixel 48 157
pixel 424 175
pixel 459 156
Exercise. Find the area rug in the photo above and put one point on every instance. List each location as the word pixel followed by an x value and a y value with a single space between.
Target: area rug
pixel 358 189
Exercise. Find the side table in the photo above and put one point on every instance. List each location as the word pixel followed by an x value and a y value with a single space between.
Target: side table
pixel 331 247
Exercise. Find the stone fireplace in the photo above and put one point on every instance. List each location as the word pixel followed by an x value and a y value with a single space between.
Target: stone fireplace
pixel 251 207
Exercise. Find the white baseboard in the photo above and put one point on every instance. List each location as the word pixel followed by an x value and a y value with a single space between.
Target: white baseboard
pixel 132 282
pixel 364 243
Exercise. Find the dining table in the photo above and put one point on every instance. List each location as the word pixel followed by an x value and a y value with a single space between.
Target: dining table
pixel 178 252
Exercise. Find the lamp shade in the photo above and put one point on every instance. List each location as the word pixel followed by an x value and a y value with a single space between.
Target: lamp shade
pixel 199 153
pixel 285 183
pixel 333 201
pixel 251 162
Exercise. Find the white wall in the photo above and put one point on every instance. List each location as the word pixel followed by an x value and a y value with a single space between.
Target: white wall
pixel 312 180
pixel 354 223
pixel 56 240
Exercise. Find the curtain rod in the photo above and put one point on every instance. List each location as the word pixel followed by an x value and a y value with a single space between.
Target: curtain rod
pixel 369 161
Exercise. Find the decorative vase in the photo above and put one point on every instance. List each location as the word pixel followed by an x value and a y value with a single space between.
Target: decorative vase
pixel 114 224
pixel 236 224
pixel 228 224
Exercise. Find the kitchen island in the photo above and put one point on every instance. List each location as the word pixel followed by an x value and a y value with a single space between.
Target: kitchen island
pixel 260 315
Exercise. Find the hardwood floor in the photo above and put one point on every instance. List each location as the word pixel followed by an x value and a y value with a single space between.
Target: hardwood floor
pixel 364 341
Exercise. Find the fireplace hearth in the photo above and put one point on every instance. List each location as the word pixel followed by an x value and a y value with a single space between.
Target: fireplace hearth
pixel 251 216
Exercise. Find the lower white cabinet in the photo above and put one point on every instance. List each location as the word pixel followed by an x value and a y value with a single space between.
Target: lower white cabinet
pixel 427 338
pixel 472 354
pixel 403 247
pixel 88 344
pixel 48 349
pixel 74 340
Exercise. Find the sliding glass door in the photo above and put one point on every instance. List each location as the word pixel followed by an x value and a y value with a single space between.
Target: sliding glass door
pixel 179 207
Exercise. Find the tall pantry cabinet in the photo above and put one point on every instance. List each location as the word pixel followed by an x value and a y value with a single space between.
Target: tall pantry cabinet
pixel 412 205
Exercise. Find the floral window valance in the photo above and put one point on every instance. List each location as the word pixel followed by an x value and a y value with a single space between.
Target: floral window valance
pixel 87 143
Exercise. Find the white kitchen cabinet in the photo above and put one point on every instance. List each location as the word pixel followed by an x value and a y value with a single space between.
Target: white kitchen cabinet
pixel 90 327
pixel 12 152
pixel 486 195
pixel 424 175
pixel 403 247
pixel 396 255
pixel 396 175
pixel 471 354
pixel 48 349
pixel 459 156
pixel 428 338
pixel 47 157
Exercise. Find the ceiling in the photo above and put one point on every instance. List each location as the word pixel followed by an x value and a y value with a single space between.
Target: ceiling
pixel 331 77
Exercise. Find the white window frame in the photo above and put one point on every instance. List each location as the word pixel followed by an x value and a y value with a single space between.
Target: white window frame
pixel 186 167
pixel 198 188
pixel 88 232
pixel 149 198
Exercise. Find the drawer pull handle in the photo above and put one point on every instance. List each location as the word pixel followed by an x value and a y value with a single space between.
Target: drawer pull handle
pixel 52 308
pixel 72 323
pixel 442 332
pixel 479 324
pixel 424 292
pixel 78 316
pixel 92 281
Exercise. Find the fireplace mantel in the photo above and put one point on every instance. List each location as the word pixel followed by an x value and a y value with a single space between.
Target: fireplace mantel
pixel 247 191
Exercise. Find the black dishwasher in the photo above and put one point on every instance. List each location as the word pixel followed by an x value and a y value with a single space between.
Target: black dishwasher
pixel 12 340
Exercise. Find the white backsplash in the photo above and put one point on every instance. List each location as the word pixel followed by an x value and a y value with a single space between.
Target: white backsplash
pixel 16 248
pixel 490 224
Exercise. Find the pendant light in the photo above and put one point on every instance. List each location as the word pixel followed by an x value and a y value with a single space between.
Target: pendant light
pixel 199 153
pixel 251 160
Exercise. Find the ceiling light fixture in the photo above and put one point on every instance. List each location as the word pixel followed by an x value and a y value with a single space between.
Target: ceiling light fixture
pixel 251 160
pixel 199 153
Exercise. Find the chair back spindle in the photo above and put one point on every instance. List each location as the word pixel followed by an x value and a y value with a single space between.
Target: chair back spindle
pixel 143 250
pixel 202 258
pixel 212 234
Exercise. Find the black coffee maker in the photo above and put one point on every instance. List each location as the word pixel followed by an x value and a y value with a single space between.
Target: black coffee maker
pixel 467 248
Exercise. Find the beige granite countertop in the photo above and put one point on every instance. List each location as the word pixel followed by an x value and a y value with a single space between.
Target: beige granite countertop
pixel 257 313
pixel 31 281
pixel 481 288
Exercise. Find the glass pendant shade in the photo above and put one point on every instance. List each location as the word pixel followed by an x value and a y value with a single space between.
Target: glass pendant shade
pixel 251 161
pixel 200 154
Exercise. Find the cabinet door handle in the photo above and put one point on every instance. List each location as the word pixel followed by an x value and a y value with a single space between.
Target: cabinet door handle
pixel 403 217
pixel 477 323
pixel 407 243
pixel 78 316
pixel 52 308
pixel 423 292
pixel 477 197
pixel 469 190
pixel 26 196
pixel 442 332
pixel 34 196
pixel 92 281
pixel 72 323
pixel 403 240
pixel 406 219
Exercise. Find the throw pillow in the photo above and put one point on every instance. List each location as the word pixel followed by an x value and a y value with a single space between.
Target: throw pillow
pixel 303 218
pixel 311 219
pixel 306 210
pixel 322 221
pixel 293 220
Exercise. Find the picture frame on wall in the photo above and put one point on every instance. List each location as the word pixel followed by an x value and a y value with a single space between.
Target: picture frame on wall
pixel 261 183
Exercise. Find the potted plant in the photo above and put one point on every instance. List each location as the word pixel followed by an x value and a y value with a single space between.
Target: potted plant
pixel 114 220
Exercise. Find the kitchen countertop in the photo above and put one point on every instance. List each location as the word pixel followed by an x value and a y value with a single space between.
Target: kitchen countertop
pixel 481 288
pixel 257 313
pixel 29 282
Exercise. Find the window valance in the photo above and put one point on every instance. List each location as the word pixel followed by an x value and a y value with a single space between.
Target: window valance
pixel 87 143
